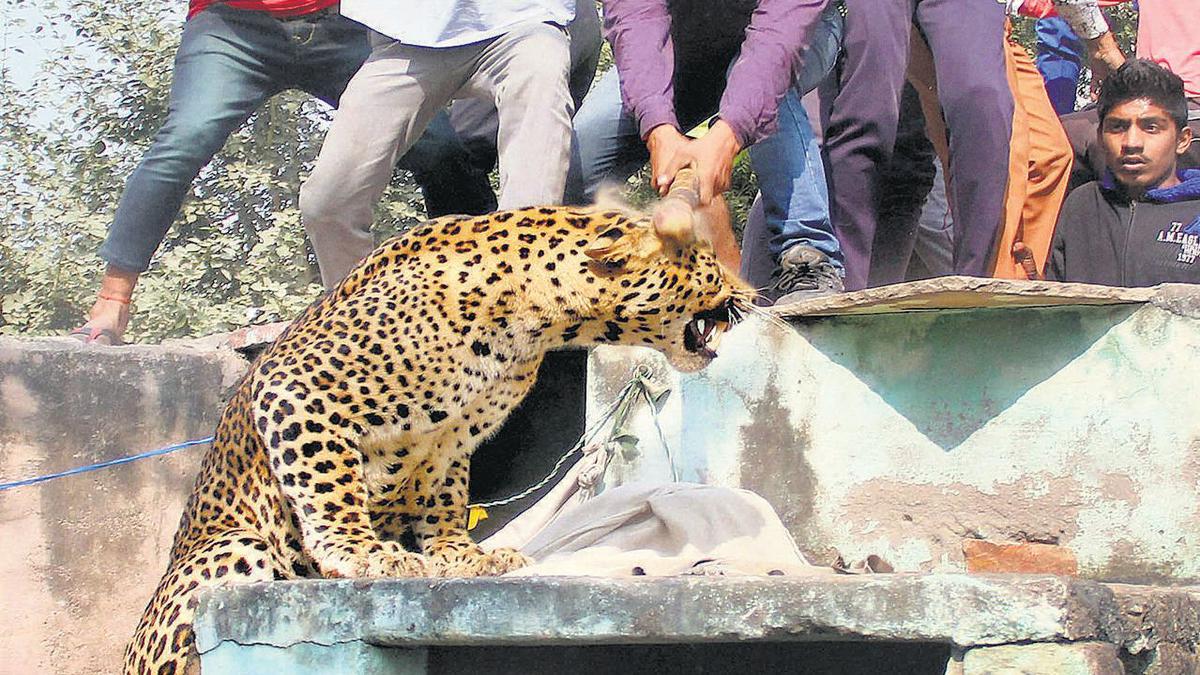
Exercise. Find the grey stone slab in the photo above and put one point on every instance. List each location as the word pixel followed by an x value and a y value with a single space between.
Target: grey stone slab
pixel 1171 659
pixel 1084 658
pixel 972 292
pixel 956 609
pixel 247 338
pixel 1152 616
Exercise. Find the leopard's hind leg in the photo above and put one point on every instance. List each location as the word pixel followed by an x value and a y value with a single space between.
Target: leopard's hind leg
pixel 164 643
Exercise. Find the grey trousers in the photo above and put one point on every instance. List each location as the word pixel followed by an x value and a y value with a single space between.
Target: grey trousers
pixel 391 100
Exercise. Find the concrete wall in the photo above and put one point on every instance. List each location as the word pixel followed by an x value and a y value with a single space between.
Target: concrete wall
pixel 899 434
pixel 81 554
pixel 903 433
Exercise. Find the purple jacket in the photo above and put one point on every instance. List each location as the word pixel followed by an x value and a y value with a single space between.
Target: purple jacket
pixel 640 34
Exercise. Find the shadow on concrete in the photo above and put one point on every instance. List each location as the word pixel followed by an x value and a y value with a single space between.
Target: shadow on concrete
pixel 820 658
pixel 792 492
pixel 546 424
pixel 950 372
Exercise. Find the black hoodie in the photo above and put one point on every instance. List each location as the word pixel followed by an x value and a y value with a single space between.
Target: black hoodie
pixel 1104 237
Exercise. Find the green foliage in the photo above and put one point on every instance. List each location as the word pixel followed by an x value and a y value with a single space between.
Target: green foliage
pixel 236 253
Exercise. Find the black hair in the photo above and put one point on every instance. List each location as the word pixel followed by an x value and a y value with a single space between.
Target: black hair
pixel 1141 78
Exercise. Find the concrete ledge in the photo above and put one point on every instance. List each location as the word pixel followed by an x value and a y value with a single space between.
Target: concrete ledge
pixel 1085 658
pixel 961 610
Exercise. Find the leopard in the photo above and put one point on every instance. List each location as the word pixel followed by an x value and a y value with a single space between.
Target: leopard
pixel 354 429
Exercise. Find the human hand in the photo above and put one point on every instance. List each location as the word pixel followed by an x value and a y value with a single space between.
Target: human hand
pixel 665 144
pixel 1104 57
pixel 711 156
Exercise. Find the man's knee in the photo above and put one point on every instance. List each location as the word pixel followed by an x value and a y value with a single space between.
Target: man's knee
pixel 323 205
pixel 189 141
pixel 982 99
pixel 540 59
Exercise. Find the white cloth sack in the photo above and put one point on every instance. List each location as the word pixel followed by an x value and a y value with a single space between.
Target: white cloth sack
pixel 656 530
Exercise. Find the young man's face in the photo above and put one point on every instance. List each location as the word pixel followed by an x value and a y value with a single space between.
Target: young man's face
pixel 1141 143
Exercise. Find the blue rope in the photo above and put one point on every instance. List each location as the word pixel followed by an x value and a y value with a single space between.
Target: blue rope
pixel 104 465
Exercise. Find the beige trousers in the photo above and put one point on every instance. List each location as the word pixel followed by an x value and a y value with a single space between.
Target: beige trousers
pixel 395 95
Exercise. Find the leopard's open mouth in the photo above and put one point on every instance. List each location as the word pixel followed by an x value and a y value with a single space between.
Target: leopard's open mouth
pixel 704 331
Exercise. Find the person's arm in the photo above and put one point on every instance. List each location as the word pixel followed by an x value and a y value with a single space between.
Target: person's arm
pixel 759 78
pixel 1085 18
pixel 771 53
pixel 640 34
pixel 1087 21
pixel 644 56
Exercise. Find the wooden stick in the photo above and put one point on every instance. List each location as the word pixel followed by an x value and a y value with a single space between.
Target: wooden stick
pixel 685 187
pixel 675 217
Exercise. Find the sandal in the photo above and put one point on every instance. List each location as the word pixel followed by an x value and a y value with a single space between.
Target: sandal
pixel 91 335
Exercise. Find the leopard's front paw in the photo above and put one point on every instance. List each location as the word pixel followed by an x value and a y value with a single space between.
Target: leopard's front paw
pixel 395 561
pixel 480 563
pixel 390 560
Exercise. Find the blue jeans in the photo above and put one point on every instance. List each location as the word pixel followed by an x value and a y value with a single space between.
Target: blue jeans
pixel 788 165
pixel 228 64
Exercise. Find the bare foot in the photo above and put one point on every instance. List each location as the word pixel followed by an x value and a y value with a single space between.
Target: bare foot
pixel 107 322
pixel 109 316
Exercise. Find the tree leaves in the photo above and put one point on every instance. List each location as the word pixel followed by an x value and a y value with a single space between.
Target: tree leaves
pixel 73 136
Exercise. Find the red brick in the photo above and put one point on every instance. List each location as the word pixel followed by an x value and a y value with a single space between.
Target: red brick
pixel 1024 558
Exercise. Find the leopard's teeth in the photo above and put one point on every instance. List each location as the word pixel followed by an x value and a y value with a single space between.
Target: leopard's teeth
pixel 701 328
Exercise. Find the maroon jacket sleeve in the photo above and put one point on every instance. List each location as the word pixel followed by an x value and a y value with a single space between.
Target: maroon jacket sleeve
pixel 775 40
pixel 640 34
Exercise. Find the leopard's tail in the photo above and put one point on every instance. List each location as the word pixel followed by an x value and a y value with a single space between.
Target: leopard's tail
pixel 164 643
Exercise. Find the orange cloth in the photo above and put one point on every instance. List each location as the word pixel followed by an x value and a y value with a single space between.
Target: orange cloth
pixel 1039 167
pixel 1039 161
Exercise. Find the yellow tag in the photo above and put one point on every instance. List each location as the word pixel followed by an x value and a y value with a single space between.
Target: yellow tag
pixel 475 515
pixel 700 129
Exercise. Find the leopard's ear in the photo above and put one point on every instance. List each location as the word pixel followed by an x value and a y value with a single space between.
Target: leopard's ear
pixel 611 249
